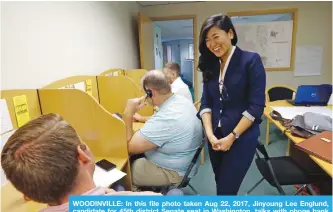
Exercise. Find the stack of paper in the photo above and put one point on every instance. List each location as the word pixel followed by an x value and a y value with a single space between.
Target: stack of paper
pixel 80 86
pixel 4 138
pixel 291 112
pixel 5 121
pixel 105 179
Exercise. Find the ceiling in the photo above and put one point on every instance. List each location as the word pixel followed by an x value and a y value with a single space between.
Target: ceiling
pixel 176 29
pixel 153 3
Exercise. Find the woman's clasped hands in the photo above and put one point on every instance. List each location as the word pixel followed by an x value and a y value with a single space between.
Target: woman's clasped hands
pixel 223 144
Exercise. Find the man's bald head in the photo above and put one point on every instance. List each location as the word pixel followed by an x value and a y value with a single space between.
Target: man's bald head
pixel 156 79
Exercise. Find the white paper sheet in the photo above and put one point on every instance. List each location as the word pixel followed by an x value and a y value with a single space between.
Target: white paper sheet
pixel 5 121
pixel 104 179
pixel 117 117
pixel 308 60
pixel 4 139
pixel 4 180
pixel 80 86
pixel 68 87
pixel 291 112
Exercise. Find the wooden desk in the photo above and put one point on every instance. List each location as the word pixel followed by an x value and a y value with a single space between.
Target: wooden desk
pixel 12 200
pixel 327 167
pixel 137 126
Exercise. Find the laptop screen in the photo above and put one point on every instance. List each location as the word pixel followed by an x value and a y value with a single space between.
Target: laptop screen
pixel 312 94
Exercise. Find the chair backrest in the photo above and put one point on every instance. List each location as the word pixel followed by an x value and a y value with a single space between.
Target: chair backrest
pixel 280 93
pixel 186 178
pixel 261 148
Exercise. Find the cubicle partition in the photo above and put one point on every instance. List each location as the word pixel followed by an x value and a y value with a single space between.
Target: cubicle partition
pixel 115 91
pixel 100 130
pixel 21 106
pixel 136 75
pixel 84 83
pixel 113 72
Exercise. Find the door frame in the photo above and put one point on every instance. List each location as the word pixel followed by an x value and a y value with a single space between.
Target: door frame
pixel 195 44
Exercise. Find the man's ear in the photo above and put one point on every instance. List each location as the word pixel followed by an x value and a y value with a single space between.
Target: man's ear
pixel 82 150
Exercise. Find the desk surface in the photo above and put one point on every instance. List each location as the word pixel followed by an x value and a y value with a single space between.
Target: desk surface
pixel 327 167
pixel 137 126
pixel 12 200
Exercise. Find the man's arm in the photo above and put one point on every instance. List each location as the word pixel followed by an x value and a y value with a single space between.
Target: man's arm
pixel 136 142
pixel 139 118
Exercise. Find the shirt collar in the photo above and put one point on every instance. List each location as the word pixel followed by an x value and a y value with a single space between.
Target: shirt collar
pixel 230 56
pixel 177 81
pixel 166 102
pixel 226 64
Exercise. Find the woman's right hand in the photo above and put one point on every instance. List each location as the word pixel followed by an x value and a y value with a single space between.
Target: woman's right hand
pixel 212 140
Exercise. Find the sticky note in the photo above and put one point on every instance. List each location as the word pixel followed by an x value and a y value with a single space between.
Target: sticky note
pixel 89 87
pixel 21 109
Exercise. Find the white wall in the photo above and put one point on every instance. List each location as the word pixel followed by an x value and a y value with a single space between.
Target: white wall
pixel 314 28
pixel 175 50
pixel 42 42
pixel 158 48
pixel 180 50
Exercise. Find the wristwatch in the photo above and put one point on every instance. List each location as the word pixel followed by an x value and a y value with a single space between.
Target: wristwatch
pixel 235 134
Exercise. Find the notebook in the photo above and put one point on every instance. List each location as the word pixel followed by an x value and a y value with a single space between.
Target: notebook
pixel 319 145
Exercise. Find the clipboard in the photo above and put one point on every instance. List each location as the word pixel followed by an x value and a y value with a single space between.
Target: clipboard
pixel 319 145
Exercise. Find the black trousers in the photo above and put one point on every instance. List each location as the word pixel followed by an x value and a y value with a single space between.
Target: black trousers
pixel 134 157
pixel 230 167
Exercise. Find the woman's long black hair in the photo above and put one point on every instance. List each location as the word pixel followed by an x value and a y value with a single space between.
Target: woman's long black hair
pixel 207 60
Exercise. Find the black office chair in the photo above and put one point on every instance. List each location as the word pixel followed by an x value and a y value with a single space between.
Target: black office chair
pixel 186 179
pixel 280 92
pixel 280 171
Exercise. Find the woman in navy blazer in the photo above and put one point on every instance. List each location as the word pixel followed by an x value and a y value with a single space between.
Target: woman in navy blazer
pixel 232 103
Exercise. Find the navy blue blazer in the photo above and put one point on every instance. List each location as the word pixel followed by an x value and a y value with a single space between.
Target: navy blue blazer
pixel 245 82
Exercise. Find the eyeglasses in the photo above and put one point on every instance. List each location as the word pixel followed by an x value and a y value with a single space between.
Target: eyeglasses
pixel 223 91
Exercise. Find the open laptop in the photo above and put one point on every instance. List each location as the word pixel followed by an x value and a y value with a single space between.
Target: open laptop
pixel 311 95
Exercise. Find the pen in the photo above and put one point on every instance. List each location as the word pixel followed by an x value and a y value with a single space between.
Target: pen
pixel 325 139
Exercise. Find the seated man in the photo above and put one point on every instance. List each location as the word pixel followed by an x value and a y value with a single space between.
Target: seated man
pixel 172 71
pixel 46 161
pixel 169 139
pixel 178 87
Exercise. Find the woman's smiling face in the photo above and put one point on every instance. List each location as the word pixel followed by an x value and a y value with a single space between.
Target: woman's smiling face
pixel 218 41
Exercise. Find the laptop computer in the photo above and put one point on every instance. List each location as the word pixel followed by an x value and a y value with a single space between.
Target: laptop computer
pixel 311 95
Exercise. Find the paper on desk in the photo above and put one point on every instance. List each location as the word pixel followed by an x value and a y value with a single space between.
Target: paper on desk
pixel 4 180
pixel 4 139
pixel 105 179
pixel 80 86
pixel 5 121
pixel 291 112
pixel 68 87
